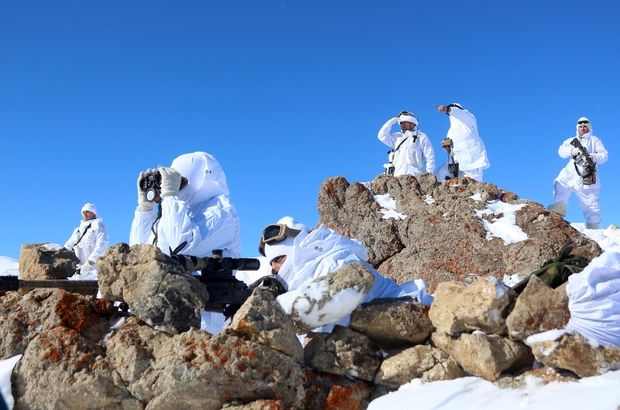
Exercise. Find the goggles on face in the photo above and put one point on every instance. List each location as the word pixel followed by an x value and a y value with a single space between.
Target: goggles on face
pixel 275 233
pixel 583 122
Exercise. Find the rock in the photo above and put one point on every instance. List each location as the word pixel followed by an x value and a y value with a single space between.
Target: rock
pixel 330 391
pixel 538 308
pixel 261 320
pixel 344 352
pixel 132 351
pixel 481 306
pixel 40 262
pixel 486 356
pixel 442 238
pixel 256 405
pixel 545 375
pixel 393 323
pixel 308 312
pixel 62 369
pixel 198 370
pixel 44 309
pixel 156 288
pixel 572 351
pixel 422 361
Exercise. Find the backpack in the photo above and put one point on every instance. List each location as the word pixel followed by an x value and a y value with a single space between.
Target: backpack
pixel 555 271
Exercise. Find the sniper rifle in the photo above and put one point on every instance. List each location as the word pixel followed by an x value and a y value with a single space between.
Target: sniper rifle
pixel 226 293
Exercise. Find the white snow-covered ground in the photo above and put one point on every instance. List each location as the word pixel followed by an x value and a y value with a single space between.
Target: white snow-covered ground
pixel 469 393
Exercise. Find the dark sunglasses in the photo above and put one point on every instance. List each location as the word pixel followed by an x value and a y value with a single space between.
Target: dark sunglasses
pixel 275 233
pixel 583 122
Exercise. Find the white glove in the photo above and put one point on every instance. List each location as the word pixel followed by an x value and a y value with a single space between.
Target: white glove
pixel 170 181
pixel 575 151
pixel 85 268
pixel 143 204
pixel 393 120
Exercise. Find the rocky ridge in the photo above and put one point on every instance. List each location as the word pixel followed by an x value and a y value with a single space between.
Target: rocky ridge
pixel 79 351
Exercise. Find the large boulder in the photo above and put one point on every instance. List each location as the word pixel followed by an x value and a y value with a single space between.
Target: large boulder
pixel 445 231
pixel 156 288
pixel 41 261
pixel 198 370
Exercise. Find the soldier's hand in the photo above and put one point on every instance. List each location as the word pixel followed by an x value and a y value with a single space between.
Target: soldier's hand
pixel 575 151
pixel 441 108
pixel 446 144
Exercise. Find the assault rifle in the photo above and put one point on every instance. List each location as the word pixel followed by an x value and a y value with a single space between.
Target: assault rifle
pixel 588 176
pixel 226 293
pixel 453 166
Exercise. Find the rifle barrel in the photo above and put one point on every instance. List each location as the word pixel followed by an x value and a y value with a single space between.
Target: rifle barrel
pixel 60 284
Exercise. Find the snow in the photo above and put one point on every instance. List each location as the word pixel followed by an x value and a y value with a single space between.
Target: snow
pixel 468 393
pixel 9 266
pixel 505 226
pixel 388 207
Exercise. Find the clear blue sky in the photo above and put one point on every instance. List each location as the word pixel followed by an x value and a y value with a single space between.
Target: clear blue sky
pixel 285 94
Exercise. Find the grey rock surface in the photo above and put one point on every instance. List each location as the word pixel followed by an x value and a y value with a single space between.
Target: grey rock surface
pixel 393 323
pixel 442 238
pixel 344 352
pixel 156 288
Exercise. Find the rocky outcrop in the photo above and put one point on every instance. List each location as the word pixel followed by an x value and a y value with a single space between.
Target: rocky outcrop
pixel 444 234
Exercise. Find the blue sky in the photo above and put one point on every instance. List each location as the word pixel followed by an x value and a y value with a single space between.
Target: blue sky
pixel 285 94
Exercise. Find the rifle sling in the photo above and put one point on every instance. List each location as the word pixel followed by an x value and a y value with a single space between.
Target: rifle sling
pixel 83 233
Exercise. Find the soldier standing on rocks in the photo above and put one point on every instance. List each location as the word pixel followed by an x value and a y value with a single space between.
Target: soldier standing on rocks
pixel 89 240
pixel 464 145
pixel 575 177
pixel 299 257
pixel 411 148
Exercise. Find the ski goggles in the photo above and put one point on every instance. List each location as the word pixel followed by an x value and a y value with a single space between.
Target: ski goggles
pixel 275 233
pixel 583 122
